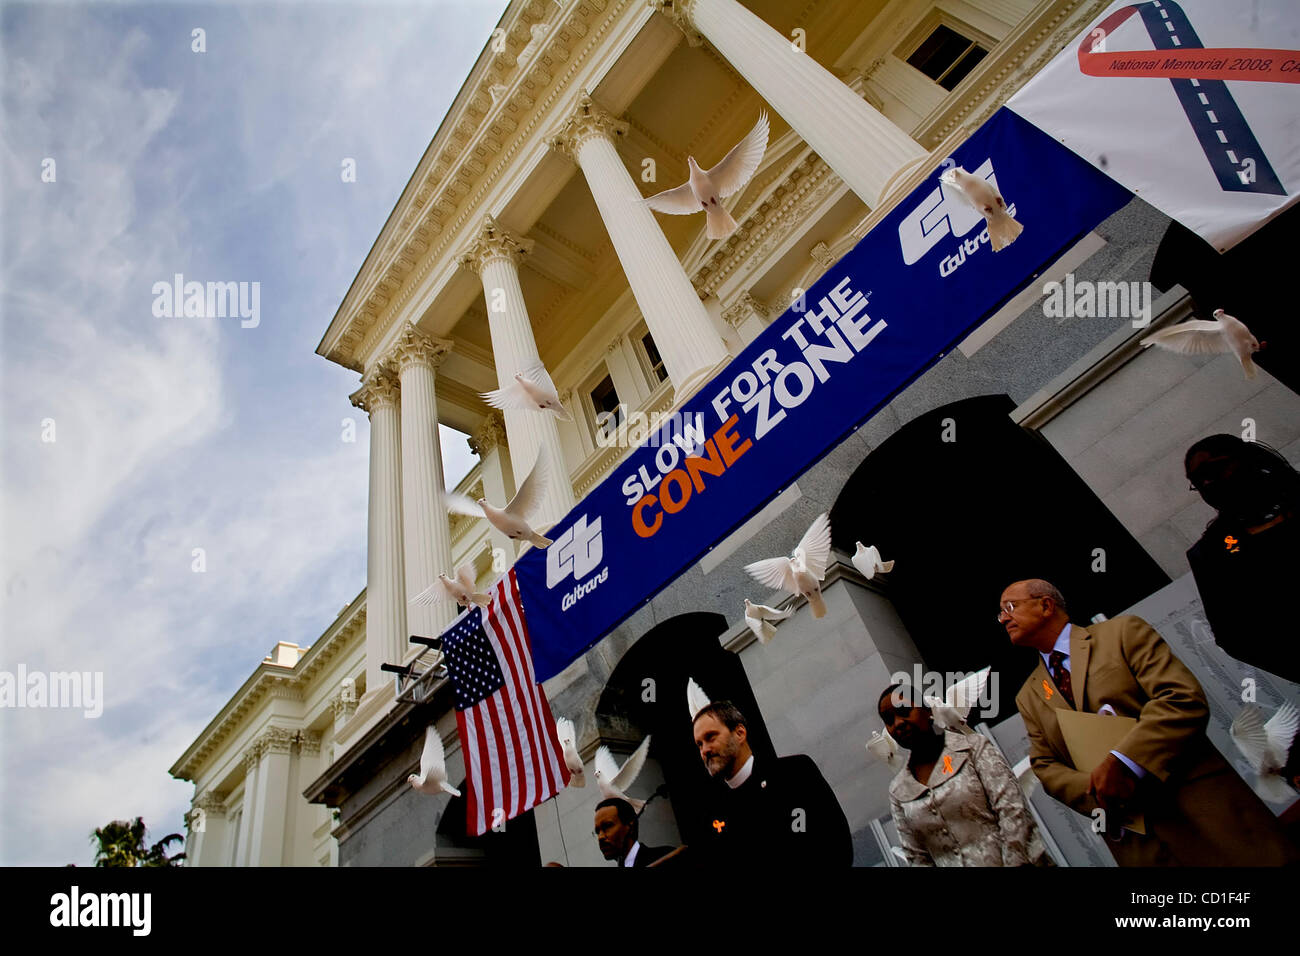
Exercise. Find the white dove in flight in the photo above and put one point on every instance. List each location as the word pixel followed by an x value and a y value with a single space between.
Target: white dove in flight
pixel 459 589
pixel 981 194
pixel 706 186
pixel 512 520
pixel 696 699
pixel 613 781
pixel 1266 746
pixel 867 560
pixel 801 573
pixel 1207 337
pixel 432 778
pixel 885 747
pixel 759 617
pixel 950 712
pixel 568 738
pixel 533 390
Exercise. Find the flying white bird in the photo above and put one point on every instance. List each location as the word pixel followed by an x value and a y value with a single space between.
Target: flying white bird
pixel 867 560
pixel 613 781
pixel 512 520
pixel 459 589
pixel 801 573
pixel 885 747
pixel 949 712
pixel 1207 337
pixel 981 194
pixel 696 699
pixel 759 617
pixel 706 186
pixel 1266 746
pixel 532 390
pixel 568 738
pixel 432 778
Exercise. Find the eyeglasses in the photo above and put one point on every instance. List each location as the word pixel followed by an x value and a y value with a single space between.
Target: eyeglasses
pixel 1009 607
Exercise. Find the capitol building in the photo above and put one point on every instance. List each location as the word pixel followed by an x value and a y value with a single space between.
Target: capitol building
pixel 518 239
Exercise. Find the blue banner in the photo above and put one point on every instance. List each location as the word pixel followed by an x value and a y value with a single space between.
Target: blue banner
pixel 907 293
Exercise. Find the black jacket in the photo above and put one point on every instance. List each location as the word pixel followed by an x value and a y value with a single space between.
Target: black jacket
pixel 784 814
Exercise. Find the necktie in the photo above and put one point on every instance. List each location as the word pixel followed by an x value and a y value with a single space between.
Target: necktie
pixel 1056 661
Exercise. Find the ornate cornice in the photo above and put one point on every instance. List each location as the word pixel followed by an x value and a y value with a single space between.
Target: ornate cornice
pixel 489 435
pixel 588 119
pixel 414 347
pixel 379 389
pixel 493 243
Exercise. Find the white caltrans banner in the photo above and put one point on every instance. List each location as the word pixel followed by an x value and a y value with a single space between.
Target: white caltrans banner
pixel 1192 105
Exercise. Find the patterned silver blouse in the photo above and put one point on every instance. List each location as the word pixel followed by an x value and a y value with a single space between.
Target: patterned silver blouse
pixel 972 813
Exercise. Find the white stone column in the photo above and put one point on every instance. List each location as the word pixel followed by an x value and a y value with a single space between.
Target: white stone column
pixel 267 835
pixel 426 532
pixel 494 255
pixel 386 634
pixel 489 443
pixel 690 347
pixel 207 829
pixel 863 147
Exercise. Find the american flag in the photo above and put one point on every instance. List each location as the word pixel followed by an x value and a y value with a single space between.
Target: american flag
pixel 513 759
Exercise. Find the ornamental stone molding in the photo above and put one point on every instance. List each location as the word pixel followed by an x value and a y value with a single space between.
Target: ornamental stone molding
pixel 680 13
pixel 343 704
pixel 489 435
pixel 587 120
pixel 491 244
pixel 278 740
pixel 210 802
pixel 745 306
pixel 309 742
pixel 379 389
pixel 414 347
pixel 252 756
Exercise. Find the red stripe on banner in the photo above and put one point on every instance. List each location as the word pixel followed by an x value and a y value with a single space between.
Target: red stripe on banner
pixel 512 649
pixel 557 771
pixel 521 797
pixel 469 752
pixel 497 811
pixel 1193 63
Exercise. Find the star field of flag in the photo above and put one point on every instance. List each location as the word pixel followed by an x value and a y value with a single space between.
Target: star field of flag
pixel 471 661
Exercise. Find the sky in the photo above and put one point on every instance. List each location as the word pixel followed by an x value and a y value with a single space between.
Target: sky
pixel 177 494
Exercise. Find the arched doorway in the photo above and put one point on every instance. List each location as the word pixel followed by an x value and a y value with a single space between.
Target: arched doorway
pixel 646 694
pixel 515 845
pixel 966 501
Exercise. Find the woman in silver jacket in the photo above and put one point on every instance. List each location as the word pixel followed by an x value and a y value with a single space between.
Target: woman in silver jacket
pixel 956 803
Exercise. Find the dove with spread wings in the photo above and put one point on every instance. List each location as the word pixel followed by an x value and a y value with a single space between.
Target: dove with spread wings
pixel 512 520
pixel 615 781
pixel 706 187
pixel 802 572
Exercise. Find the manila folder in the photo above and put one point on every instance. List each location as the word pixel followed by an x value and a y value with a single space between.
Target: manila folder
pixel 1090 737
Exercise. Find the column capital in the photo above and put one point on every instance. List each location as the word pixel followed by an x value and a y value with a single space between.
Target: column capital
pixel 745 306
pixel 253 755
pixel 210 802
pixel 682 14
pixel 277 740
pixel 489 435
pixel 414 347
pixel 492 243
pixel 309 742
pixel 588 119
pixel 379 389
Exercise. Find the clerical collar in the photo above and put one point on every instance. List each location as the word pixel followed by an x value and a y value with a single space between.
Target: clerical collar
pixel 742 774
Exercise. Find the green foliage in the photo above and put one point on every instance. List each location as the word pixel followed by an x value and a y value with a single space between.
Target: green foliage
pixel 122 843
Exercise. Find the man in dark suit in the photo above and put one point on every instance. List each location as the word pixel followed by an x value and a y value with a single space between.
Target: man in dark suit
pixel 1197 810
pixel 617 831
pixel 766 812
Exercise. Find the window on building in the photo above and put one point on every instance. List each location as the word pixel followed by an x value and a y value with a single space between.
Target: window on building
pixel 608 410
pixel 654 361
pixel 947 57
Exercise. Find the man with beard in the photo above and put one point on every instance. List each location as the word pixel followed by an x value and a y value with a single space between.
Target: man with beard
pixel 766 811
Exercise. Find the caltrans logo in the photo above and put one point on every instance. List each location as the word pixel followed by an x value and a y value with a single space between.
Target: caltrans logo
pixel 576 552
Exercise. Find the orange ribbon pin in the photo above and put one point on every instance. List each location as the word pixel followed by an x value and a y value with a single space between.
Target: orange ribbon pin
pixel 947 763
pixel 1047 691
pixel 719 824
pixel 1231 543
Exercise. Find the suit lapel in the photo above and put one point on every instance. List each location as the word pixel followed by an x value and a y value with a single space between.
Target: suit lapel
pixel 1045 688
pixel 1080 648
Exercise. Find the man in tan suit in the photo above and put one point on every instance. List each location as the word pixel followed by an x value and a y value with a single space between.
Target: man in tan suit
pixel 1197 810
